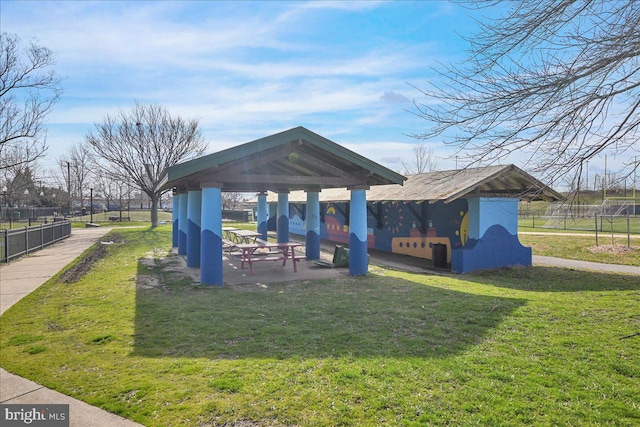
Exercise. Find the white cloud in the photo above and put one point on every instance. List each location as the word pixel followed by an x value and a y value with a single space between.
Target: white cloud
pixel 246 70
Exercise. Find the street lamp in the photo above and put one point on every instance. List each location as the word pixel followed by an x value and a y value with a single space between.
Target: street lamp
pixel 91 204
pixel 4 194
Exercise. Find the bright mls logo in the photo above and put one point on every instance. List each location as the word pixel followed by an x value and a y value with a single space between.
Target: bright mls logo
pixel 34 415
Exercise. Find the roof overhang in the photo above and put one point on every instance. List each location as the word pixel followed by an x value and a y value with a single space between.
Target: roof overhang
pixel 507 181
pixel 296 159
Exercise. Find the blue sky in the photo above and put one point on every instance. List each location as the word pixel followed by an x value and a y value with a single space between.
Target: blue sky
pixel 247 69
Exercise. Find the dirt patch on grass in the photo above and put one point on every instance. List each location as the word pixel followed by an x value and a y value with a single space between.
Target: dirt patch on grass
pixel 613 249
pixel 165 268
pixel 80 268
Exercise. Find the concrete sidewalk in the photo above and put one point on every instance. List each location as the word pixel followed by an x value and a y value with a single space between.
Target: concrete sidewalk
pixel 585 265
pixel 18 279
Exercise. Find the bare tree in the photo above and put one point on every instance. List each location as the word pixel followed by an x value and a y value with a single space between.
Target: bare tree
pixel 28 91
pixel 559 81
pixel 74 173
pixel 423 160
pixel 230 200
pixel 139 146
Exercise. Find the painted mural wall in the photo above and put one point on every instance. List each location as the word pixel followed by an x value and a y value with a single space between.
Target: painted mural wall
pixel 493 237
pixel 408 228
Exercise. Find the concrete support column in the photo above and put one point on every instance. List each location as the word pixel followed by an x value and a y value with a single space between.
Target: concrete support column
pixel 263 215
pixel 175 210
pixel 312 240
pixel 194 214
pixel 358 259
pixel 211 237
pixel 283 217
pixel 182 223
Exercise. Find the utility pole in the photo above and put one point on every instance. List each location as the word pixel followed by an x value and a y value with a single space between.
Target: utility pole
pixel 69 185
pixel 604 179
pixel 635 175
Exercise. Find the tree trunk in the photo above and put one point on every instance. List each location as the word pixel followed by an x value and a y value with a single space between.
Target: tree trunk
pixel 154 209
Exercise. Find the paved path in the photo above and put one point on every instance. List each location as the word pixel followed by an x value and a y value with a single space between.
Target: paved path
pixel 18 279
pixel 603 235
pixel 585 265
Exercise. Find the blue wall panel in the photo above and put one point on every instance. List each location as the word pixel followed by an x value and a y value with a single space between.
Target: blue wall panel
pixel 412 228
pixel 496 249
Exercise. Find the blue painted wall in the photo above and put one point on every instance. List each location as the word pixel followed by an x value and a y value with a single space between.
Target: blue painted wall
pixel 489 211
pixel 480 233
pixel 493 237
pixel 409 228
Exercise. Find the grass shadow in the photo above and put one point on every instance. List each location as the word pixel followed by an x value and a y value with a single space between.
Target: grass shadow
pixel 370 316
pixel 554 279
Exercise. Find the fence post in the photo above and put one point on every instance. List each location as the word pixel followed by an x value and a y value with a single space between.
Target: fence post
pixel 6 245
pixel 41 237
pixel 26 240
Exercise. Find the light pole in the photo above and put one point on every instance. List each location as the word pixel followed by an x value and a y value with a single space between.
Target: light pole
pixel 587 181
pixel 69 186
pixel 4 203
pixel 91 204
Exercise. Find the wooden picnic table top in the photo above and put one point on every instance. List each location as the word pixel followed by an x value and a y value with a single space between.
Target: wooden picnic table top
pixel 247 246
pixel 242 232
pixel 239 235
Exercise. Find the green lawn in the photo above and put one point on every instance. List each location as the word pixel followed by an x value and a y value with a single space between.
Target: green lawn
pixel 584 247
pixel 536 346
pixel 135 218
pixel 604 224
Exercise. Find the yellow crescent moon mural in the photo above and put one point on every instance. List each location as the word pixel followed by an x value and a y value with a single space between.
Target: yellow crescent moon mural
pixel 464 228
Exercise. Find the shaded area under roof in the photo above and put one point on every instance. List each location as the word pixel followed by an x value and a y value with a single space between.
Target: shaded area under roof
pixel 491 181
pixel 296 159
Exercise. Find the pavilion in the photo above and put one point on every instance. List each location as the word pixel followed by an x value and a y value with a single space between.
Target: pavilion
pixel 293 160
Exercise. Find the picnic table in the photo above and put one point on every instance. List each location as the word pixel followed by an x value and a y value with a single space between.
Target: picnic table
pixel 255 252
pixel 232 236
pixel 238 235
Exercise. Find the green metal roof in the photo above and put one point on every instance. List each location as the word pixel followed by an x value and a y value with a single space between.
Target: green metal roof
pixel 296 159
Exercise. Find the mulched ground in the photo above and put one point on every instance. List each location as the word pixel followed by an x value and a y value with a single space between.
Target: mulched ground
pixel 83 265
pixel 612 249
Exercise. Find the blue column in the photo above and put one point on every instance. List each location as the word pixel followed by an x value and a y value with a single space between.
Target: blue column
pixel 194 209
pixel 283 217
pixel 182 224
pixel 262 215
pixel 211 237
pixel 175 211
pixel 312 240
pixel 358 233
